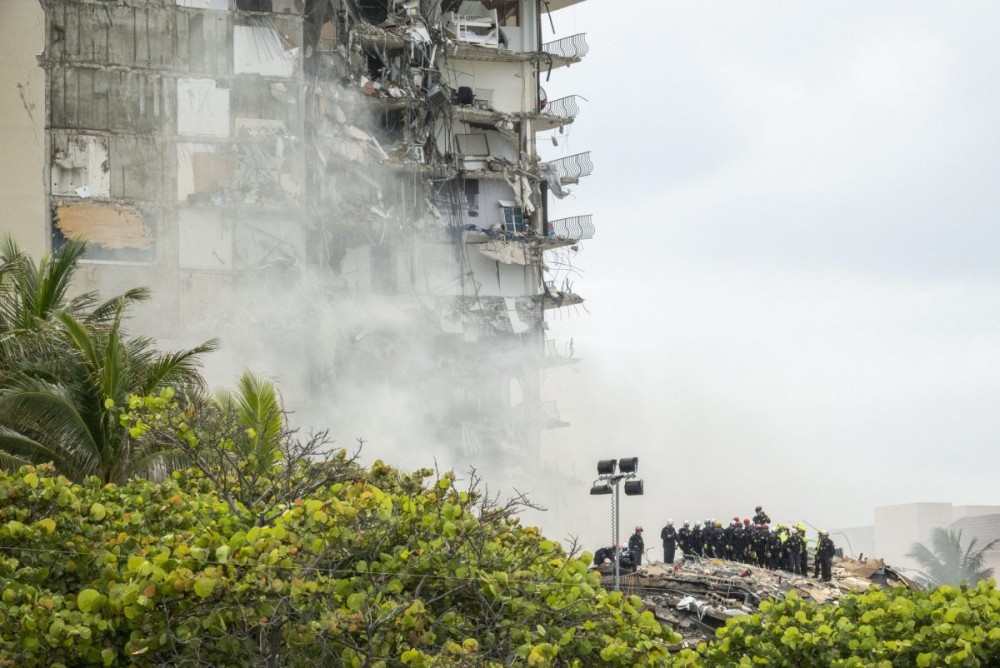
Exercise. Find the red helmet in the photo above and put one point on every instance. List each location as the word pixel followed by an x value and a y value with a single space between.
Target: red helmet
pixel 736 519
pixel 746 522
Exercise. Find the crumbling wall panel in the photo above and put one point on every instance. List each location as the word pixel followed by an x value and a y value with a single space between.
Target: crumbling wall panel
pixel 137 164
pixel 123 36
pixel 100 100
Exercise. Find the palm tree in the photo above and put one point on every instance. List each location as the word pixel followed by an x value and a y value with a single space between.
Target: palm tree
pixel 946 562
pixel 33 294
pixel 72 420
pixel 66 366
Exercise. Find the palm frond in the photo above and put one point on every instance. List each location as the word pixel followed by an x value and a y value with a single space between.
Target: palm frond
pixel 49 425
pixel 105 312
pixel 180 367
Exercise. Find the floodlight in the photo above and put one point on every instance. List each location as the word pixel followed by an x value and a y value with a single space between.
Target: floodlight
pixel 628 464
pixel 606 466
pixel 632 488
pixel 601 488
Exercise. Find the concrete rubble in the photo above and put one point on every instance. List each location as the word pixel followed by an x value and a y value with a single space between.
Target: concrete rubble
pixel 695 598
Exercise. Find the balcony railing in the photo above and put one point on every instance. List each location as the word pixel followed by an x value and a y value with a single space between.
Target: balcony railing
pixel 574 227
pixel 564 107
pixel 572 166
pixel 574 46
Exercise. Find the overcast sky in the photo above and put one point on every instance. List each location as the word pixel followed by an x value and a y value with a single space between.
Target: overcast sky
pixel 793 297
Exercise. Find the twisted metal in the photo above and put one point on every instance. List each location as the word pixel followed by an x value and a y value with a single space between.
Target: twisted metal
pixel 574 227
pixel 574 46
pixel 572 166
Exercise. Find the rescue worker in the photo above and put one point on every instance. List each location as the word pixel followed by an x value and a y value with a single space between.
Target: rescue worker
pixel 669 537
pixel 824 555
pixel 773 548
pixel 759 545
pixel 684 539
pixel 731 537
pixel 636 546
pixel 796 545
pixel 745 535
pixel 696 544
pixel 804 568
pixel 761 517
pixel 604 554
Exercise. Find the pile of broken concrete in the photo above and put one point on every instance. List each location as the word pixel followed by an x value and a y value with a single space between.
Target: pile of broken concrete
pixel 696 597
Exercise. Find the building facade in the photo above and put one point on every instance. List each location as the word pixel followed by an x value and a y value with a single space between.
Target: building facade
pixel 379 156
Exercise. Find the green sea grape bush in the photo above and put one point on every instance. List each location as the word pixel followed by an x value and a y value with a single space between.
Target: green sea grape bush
pixel 381 568
pixel 947 626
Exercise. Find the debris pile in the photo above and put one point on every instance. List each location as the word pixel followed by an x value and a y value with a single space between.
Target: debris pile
pixel 697 597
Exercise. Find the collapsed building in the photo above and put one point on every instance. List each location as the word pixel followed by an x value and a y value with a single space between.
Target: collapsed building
pixel 387 149
pixel 697 597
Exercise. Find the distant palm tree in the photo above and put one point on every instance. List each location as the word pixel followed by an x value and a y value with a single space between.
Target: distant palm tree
pixel 946 562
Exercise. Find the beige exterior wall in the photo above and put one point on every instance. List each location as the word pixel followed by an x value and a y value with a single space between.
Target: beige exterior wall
pixel 22 125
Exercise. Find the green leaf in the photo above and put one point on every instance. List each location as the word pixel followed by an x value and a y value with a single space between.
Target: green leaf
pixel 88 599
pixel 204 586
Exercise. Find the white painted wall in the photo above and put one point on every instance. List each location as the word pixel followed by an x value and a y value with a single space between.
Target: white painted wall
pixel 202 108
pixel 513 84
pixel 23 210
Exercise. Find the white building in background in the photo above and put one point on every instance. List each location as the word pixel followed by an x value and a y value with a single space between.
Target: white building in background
pixel 898 527
pixel 385 151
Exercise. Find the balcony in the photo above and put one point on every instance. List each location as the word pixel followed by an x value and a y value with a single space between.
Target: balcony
pixel 558 113
pixel 572 168
pixel 566 51
pixel 556 297
pixel 574 227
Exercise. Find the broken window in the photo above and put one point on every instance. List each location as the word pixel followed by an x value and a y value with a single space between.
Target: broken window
pixel 472 196
pixel 512 218
pixel 472 144
pixel 254 5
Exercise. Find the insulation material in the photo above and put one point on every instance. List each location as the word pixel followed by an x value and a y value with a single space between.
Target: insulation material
pixel 259 49
pixel 205 239
pixel 113 227
pixel 202 108
pixel 82 167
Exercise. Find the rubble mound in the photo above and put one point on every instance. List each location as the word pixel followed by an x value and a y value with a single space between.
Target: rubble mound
pixel 694 598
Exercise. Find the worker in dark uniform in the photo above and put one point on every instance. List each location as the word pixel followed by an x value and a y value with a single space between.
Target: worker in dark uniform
pixel 773 548
pixel 804 566
pixel 604 554
pixel 796 545
pixel 669 537
pixel 761 517
pixel 696 545
pixel 684 539
pixel 636 546
pixel 759 545
pixel 731 538
pixel 824 555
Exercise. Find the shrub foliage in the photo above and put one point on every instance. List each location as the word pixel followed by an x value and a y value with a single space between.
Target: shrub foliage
pixel 376 568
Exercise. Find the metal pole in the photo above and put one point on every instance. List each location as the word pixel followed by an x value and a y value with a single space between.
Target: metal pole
pixel 617 548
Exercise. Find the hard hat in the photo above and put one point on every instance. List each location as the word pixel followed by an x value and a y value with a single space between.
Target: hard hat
pixel 758 509
pixel 736 519
pixel 670 523
pixel 746 521
pixel 638 528
pixel 687 524
pixel 822 532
